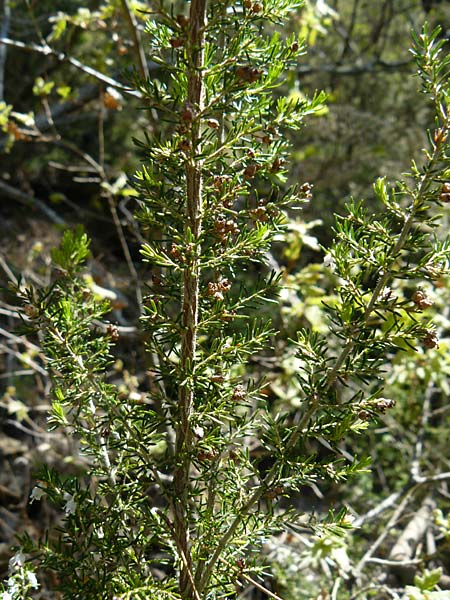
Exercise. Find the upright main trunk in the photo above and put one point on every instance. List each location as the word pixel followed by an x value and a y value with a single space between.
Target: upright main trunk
pixel 193 228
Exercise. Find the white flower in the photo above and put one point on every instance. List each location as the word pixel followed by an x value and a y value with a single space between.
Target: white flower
pixel 70 506
pixel 18 560
pixel 37 493
pixel 329 262
pixel 32 580
pixel 6 596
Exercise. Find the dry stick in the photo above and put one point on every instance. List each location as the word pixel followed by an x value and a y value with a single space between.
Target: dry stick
pixel 391 523
pixel 111 203
pixel 190 295
pixel 137 42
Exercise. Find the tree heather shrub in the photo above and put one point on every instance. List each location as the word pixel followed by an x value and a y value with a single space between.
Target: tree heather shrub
pixel 183 483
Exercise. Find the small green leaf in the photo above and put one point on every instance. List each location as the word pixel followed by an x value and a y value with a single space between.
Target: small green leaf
pixel 428 580
pixel 42 87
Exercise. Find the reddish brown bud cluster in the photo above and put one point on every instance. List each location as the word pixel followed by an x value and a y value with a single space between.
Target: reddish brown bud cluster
pixel 421 300
pixel 430 339
pixel 250 171
pixel 175 252
pixel 113 332
pixel 176 42
pixel 306 191
pixel 274 492
pixel 184 145
pixel 225 227
pixel 219 288
pixel 31 311
pixel 264 211
pixel 248 74
pixel 277 165
pixel 188 113
pixel 182 21
pixel 213 123
pixel 364 415
pixel 239 393
pixel 445 193
pixel 217 378
pixel 440 135
pixel 383 404
pixel 207 455
pixel 240 563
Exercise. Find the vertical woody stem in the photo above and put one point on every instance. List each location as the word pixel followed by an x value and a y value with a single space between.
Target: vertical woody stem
pixel 193 172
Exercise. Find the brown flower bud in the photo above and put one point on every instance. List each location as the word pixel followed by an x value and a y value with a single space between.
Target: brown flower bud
pixel 277 165
pixel 184 145
pixel 430 339
pixel 113 332
pixel 294 47
pixel 112 99
pixel 248 4
pixel 382 404
pixel 248 74
pixel 213 123
pixel 250 171
pixel 445 193
pixel 364 415
pixel 256 7
pixel 421 300
pixel 306 190
pixel 174 251
pixel 188 113
pixel 176 42
pixel 217 378
pixel 440 135
pixel 182 21
pixel 31 311
pixel 207 455
pixel 240 563
pixel 274 492
pixel 239 393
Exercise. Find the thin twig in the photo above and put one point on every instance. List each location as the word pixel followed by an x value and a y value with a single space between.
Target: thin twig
pixel 61 57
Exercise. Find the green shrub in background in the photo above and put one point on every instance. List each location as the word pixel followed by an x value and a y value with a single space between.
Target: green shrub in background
pixel 183 485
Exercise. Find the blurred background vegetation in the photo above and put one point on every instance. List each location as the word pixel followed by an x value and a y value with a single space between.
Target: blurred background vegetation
pixel 68 120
